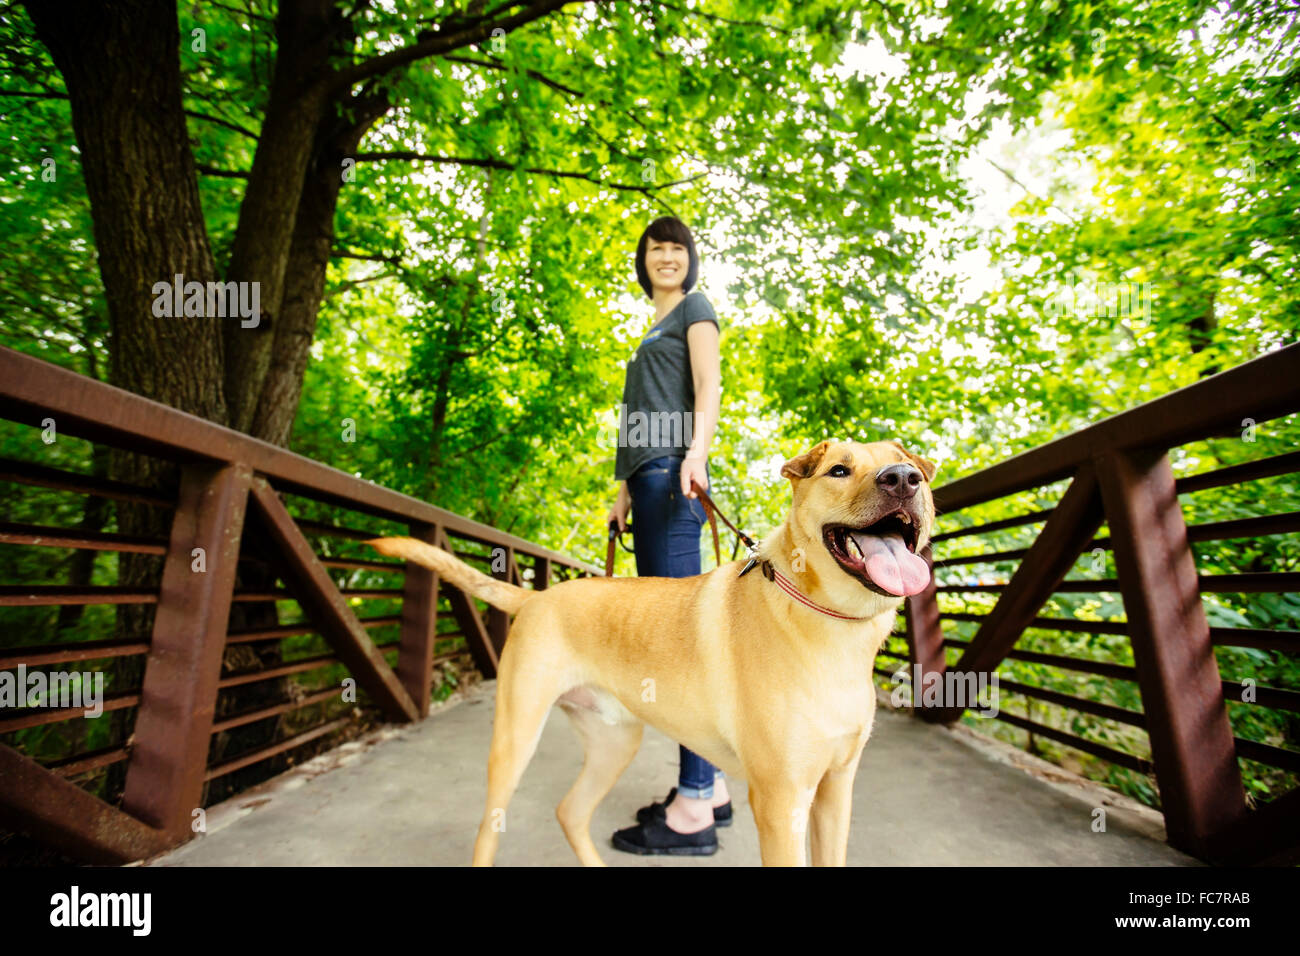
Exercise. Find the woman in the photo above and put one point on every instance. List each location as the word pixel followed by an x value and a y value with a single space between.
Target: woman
pixel 667 420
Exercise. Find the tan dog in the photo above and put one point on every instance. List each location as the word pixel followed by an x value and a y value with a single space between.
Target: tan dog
pixel 745 671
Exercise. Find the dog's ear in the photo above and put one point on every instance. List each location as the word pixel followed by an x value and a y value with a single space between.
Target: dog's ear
pixel 804 465
pixel 928 468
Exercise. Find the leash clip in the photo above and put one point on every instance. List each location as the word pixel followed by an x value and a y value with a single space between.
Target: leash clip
pixel 753 559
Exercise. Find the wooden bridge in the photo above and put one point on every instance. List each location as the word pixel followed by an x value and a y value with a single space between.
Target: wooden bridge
pixel 260 513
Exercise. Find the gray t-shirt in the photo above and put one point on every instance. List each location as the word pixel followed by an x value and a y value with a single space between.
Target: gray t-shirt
pixel 656 417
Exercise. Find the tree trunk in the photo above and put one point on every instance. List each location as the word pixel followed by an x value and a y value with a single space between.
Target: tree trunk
pixel 309 257
pixel 306 33
pixel 122 71
pixel 1200 330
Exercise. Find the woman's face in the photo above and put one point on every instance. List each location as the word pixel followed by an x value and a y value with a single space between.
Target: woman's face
pixel 667 263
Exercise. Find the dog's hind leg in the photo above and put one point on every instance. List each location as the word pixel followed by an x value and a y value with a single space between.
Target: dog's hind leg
pixel 526 688
pixel 608 749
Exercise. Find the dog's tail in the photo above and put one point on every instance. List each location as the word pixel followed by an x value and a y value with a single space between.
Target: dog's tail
pixel 500 594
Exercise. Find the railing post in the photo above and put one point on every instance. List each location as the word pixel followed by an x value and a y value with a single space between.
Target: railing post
pixel 499 620
pixel 542 574
pixel 1182 695
pixel 419 624
pixel 925 642
pixel 164 780
pixel 470 623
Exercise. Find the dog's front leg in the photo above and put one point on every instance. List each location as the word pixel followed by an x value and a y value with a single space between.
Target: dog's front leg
pixel 831 810
pixel 781 811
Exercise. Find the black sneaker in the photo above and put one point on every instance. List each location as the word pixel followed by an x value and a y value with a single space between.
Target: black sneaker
pixel 721 815
pixel 656 837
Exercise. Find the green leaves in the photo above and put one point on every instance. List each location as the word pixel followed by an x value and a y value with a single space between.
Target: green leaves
pixel 483 343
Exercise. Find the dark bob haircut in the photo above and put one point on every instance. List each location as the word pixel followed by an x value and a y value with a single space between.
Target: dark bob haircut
pixel 667 229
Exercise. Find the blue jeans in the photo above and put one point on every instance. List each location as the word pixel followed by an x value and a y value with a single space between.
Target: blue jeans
pixel 666 537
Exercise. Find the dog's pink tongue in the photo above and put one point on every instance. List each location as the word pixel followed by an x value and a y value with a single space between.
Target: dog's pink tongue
pixel 891 565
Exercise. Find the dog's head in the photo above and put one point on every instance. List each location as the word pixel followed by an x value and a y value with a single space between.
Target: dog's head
pixel 861 515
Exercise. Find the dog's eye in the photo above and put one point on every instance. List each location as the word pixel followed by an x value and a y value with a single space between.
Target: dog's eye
pixel 838 471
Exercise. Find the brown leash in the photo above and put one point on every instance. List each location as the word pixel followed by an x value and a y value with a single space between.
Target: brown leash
pixel 614 534
pixel 712 512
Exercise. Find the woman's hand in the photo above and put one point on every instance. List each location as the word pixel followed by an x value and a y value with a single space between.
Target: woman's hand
pixel 621 506
pixel 694 468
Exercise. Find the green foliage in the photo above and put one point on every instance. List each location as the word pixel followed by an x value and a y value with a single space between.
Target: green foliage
pixel 477 345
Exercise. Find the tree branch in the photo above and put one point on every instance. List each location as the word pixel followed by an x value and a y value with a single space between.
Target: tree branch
pixel 504 164
pixel 34 95
pixel 440 43
pixel 348 284
pixel 719 19
pixel 242 12
pixel 494 64
pixel 222 122
pixel 207 170
pixel 1007 173
pixel 346 254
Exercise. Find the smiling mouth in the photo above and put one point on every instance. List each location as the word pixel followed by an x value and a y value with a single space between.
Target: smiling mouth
pixel 881 555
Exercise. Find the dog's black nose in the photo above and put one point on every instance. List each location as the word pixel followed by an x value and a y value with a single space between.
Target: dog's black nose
pixel 900 480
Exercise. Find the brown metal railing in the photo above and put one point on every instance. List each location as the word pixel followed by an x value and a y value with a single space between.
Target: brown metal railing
pixel 228 483
pixel 1119 472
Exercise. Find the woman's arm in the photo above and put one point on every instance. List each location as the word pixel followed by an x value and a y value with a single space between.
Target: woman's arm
pixel 706 370
pixel 622 505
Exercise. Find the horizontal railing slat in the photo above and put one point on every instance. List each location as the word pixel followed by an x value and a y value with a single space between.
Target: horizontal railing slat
pixel 294 630
pixel 1258 637
pixel 1083 665
pixel 1096 708
pixel 1278 757
pixel 1285 523
pixel 1134 763
pixel 261 713
pixel 1236 474
pixel 44 595
pixel 265 753
pixel 35 535
pixel 1034 517
pixel 38 654
pixel 1277 698
pixel 43 476
pixel 1253 583
pixel 19 718
pixel 91 760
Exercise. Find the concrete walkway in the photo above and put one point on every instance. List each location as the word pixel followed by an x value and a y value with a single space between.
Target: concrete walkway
pixel 412 795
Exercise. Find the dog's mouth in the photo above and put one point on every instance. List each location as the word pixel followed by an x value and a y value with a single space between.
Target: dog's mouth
pixel 882 555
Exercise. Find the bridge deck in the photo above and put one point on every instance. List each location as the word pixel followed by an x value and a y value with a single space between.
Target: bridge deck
pixel 412 795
